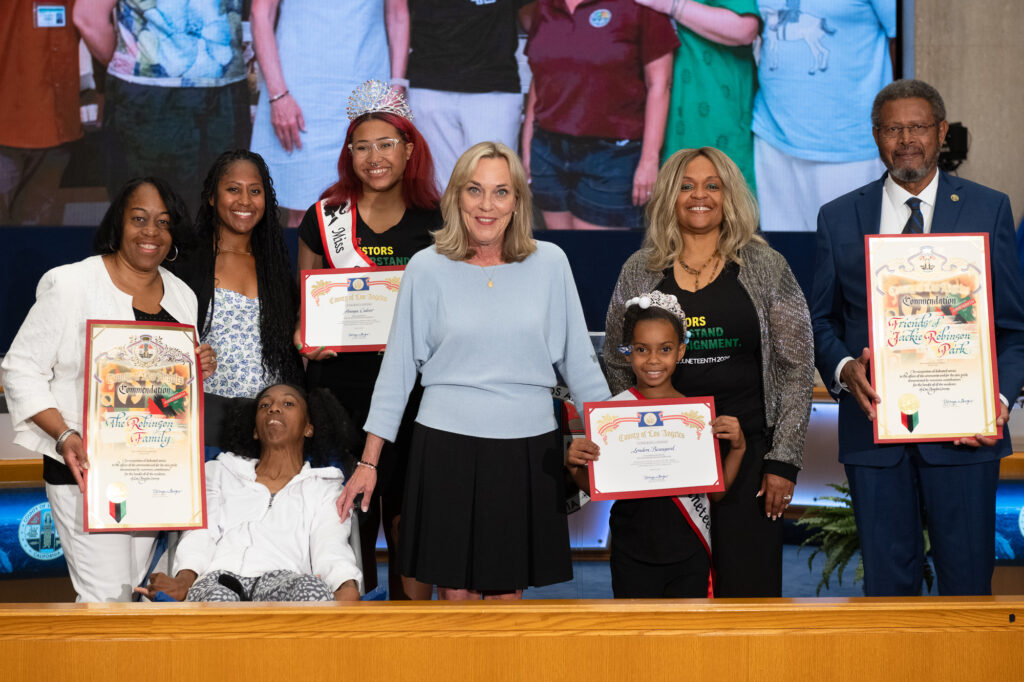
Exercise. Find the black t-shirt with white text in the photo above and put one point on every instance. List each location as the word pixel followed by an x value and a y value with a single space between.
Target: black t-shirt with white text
pixel 723 358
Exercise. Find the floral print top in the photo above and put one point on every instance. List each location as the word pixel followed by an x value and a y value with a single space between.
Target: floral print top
pixel 235 336
pixel 178 44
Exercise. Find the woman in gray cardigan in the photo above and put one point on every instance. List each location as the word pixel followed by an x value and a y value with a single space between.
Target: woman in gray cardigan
pixel 750 347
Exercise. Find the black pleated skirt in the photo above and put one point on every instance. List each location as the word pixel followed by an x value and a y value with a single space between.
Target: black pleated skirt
pixel 483 513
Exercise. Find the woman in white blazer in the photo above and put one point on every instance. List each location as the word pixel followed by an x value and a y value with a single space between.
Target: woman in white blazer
pixel 44 371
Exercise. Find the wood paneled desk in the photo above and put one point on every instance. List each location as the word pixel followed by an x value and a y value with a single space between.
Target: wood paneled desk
pixel 927 638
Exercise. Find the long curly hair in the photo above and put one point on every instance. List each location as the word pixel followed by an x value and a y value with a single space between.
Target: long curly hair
pixel 419 188
pixel 334 438
pixel 278 289
pixel 663 242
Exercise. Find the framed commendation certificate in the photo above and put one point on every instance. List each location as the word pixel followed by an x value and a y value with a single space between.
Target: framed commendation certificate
pixel 349 309
pixel 143 429
pixel 653 448
pixel 932 336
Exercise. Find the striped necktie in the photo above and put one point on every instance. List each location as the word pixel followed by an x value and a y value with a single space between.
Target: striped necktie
pixel 915 223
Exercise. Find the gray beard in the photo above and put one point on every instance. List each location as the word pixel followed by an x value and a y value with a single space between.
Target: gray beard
pixel 915 174
pixel 909 174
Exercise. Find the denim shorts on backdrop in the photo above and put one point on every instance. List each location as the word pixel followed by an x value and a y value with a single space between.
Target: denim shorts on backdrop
pixel 591 177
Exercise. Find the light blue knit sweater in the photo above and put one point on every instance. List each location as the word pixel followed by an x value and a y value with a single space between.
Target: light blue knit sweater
pixel 487 355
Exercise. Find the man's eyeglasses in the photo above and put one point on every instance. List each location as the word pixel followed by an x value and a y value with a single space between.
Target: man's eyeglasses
pixel 384 146
pixel 916 130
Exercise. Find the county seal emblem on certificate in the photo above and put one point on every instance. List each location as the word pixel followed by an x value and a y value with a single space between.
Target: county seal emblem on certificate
pixel 932 351
pixel 143 427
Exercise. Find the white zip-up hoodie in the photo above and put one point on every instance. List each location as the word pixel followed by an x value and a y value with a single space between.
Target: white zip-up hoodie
pixel 249 532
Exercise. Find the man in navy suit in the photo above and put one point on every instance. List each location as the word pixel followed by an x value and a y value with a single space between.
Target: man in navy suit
pixel 952 484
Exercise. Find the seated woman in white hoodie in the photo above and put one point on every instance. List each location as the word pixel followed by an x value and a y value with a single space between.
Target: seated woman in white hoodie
pixel 273 532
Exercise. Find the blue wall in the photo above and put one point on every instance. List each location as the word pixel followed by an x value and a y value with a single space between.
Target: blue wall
pixel 596 257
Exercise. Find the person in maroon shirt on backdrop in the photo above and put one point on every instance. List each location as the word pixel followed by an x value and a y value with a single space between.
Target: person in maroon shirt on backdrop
pixel 595 117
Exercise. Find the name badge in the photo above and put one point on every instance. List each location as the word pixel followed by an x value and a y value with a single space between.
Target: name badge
pixel 49 16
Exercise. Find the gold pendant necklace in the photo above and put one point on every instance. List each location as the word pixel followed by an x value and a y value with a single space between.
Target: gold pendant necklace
pixel 696 272
pixel 490 282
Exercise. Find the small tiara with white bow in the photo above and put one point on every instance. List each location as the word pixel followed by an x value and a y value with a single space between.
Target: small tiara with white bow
pixel 658 299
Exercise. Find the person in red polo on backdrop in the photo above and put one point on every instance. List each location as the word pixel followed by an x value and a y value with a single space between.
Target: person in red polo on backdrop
pixel 595 117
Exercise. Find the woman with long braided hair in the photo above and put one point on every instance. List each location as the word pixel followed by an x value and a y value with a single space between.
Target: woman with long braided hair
pixel 243 280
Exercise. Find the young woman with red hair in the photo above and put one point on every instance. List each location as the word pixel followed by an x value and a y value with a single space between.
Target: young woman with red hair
pixel 379 213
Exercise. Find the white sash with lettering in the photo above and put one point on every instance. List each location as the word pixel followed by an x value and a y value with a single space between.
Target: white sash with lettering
pixel 698 514
pixel 338 234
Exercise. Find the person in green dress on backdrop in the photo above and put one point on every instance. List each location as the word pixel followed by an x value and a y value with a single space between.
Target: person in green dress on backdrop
pixel 713 77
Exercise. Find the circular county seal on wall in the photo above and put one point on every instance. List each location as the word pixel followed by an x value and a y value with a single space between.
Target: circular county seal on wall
pixel 599 18
pixel 37 533
pixel 1020 521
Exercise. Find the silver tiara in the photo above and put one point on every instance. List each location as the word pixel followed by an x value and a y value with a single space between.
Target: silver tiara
pixel 661 300
pixel 375 96
pixel 658 299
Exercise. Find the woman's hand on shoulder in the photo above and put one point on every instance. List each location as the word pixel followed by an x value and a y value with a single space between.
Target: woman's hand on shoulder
pixel 728 428
pixel 310 352
pixel 176 588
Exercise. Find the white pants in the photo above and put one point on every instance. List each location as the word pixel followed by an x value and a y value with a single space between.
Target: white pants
pixel 790 190
pixel 103 566
pixel 452 122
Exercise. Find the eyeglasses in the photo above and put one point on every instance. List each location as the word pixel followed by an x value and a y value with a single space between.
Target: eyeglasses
pixel 383 146
pixel 893 132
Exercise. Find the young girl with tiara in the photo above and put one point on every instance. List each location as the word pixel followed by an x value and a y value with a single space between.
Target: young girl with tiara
pixel 660 546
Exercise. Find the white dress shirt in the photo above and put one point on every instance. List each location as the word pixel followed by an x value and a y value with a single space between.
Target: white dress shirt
pixel 895 211
pixel 895 214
